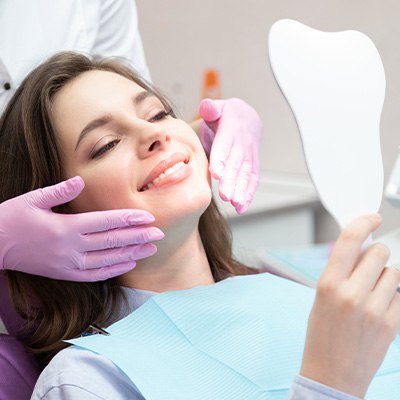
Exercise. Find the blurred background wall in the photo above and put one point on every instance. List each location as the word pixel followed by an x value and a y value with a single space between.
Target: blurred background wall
pixel 183 38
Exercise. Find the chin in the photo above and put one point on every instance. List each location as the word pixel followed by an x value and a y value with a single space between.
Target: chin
pixel 188 208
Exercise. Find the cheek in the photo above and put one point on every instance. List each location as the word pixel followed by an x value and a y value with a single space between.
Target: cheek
pixel 203 164
pixel 105 189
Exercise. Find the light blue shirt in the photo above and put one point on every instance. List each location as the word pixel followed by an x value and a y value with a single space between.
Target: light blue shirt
pixel 81 374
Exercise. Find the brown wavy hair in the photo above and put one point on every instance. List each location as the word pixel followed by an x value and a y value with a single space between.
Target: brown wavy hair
pixel 30 159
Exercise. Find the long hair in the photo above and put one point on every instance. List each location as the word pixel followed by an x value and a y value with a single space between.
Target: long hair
pixel 30 159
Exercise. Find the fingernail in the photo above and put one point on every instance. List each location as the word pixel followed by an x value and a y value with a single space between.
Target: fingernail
pixel 217 170
pixel 155 233
pixel 73 183
pixel 240 209
pixel 145 250
pixel 75 179
pixel 244 207
pixel 112 272
pixel 223 196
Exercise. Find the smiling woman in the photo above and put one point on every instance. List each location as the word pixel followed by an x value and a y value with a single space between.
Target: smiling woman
pixel 124 142
pixel 98 119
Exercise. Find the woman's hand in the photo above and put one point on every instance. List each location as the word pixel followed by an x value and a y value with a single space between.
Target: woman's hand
pixel 231 135
pixel 78 247
pixel 356 313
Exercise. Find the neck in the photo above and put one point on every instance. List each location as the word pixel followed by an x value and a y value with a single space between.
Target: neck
pixel 180 263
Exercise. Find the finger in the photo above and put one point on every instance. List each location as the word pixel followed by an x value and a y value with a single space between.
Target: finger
pixel 219 154
pixel 101 274
pixel 211 110
pixel 52 196
pixel 120 237
pixel 100 221
pixel 347 248
pixel 371 266
pixel 242 183
pixel 245 188
pixel 103 258
pixel 207 137
pixel 228 179
pixel 251 190
pixel 385 290
pixel 393 313
pixel 242 208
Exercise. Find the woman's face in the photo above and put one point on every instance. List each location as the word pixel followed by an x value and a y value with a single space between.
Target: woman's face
pixel 129 152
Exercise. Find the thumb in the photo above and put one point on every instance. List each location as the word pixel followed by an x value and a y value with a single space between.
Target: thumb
pixel 55 195
pixel 211 110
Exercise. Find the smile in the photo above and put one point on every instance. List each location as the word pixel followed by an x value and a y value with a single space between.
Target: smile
pixel 163 175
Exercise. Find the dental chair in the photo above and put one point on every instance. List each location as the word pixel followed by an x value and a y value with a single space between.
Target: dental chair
pixel 18 369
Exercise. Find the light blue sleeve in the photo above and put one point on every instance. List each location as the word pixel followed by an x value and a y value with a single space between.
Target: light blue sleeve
pixel 307 389
pixel 80 374
pixel 76 374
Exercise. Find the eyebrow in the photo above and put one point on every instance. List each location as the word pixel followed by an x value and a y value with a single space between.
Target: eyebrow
pixel 108 118
pixel 140 97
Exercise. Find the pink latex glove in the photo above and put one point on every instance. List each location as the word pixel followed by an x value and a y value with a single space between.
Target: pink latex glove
pixel 231 135
pixel 77 247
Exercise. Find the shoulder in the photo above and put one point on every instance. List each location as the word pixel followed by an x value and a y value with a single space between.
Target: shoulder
pixel 76 373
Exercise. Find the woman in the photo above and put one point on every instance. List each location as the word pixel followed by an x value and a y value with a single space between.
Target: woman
pixel 72 116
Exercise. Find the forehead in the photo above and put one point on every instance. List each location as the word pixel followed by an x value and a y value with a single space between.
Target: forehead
pixel 89 95
pixel 93 86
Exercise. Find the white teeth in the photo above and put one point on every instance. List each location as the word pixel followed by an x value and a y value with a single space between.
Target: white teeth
pixel 167 172
pixel 178 165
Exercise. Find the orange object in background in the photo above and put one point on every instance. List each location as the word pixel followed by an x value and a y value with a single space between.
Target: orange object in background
pixel 211 88
pixel 211 84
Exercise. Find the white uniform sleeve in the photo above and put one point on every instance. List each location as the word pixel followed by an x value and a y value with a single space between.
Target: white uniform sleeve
pixel 67 392
pixel 118 34
pixel 307 389
pixel 76 374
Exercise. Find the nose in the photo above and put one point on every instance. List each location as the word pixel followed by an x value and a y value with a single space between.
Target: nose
pixel 153 139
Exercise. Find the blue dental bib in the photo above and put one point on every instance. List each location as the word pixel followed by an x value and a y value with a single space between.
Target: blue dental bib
pixel 241 338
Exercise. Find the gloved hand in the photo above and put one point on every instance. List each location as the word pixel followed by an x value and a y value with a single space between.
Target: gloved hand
pixel 231 135
pixel 78 247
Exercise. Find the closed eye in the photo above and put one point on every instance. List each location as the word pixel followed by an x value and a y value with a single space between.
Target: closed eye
pixel 104 149
pixel 161 115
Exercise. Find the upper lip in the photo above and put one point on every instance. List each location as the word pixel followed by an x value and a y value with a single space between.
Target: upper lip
pixel 162 166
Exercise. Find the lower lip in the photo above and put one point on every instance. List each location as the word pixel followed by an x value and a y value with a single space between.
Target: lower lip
pixel 177 176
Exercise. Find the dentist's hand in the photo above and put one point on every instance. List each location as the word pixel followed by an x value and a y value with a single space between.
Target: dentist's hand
pixel 78 247
pixel 356 313
pixel 231 134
